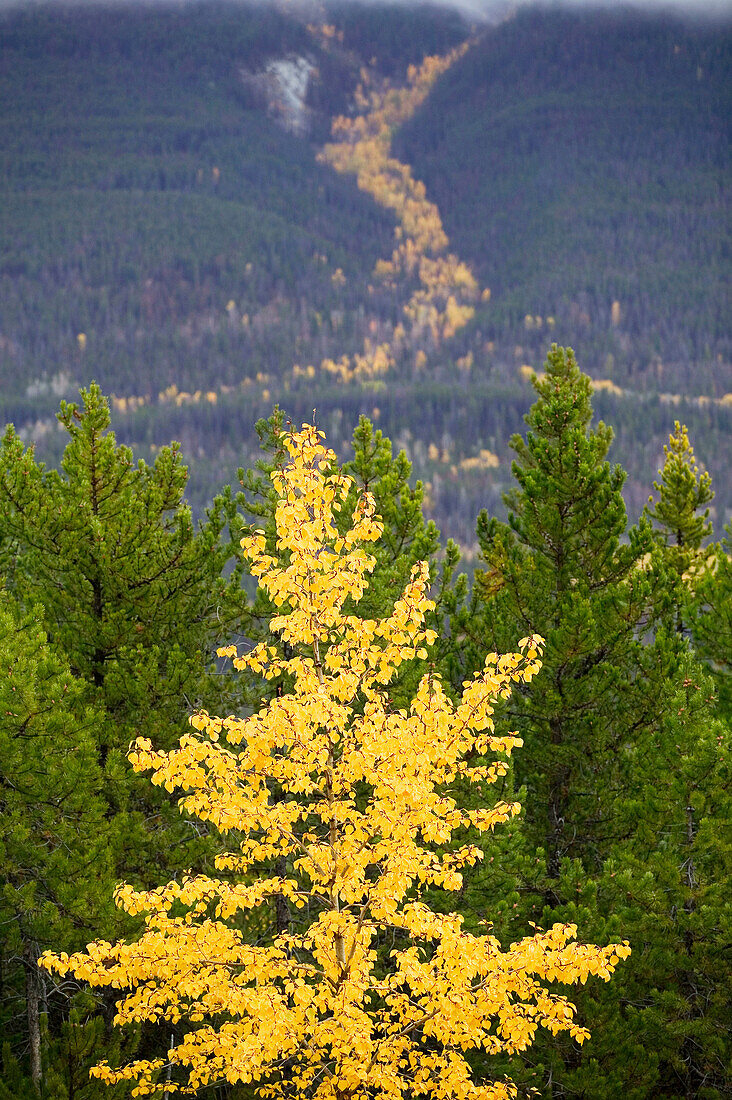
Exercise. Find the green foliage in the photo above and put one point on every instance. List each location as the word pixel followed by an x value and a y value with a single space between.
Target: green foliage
pixel 623 765
pixel 709 610
pixel 560 569
pixel 103 557
pixel 57 842
pixel 80 1033
pixel 577 158
pixel 682 491
pixel 680 525
pixel 665 1031
pixel 131 592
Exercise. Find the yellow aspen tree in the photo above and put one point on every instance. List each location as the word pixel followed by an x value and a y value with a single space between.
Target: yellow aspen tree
pixel 375 995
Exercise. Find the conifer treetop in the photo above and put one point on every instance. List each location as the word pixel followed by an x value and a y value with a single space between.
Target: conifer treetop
pixel 683 490
pixel 568 501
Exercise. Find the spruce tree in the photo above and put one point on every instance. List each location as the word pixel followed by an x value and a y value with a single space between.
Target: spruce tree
pixel 622 769
pixel 133 595
pixel 103 554
pixel 56 871
pixel 563 569
pixel 132 592
pixel 680 524
pixel 682 491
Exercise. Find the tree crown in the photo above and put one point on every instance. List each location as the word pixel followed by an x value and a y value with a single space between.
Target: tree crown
pixel 682 491
pixel 379 995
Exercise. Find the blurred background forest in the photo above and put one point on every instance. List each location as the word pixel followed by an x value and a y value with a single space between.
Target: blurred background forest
pixel 168 232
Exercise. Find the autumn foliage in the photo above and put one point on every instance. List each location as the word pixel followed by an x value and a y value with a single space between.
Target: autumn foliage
pixel 446 289
pixel 373 994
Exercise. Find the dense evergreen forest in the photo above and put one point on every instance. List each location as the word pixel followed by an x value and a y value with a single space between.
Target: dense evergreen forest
pixel 580 160
pixel 114 604
pixel 186 242
pixel 164 232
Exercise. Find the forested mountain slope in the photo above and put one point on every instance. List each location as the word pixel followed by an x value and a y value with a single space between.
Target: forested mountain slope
pixel 169 227
pixel 150 175
pixel 581 160
pixel 145 186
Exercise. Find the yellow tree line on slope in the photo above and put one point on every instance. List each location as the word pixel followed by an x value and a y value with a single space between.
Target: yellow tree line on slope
pixel 447 287
pixel 442 303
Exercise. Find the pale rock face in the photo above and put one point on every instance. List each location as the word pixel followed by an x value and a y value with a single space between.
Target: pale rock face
pixel 284 82
pixel 293 76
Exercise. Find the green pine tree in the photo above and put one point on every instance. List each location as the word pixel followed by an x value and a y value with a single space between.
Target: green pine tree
pixel 132 593
pixel 104 552
pixel 682 491
pixel 681 526
pixel 608 775
pixel 563 568
pixel 57 842
pixel 709 612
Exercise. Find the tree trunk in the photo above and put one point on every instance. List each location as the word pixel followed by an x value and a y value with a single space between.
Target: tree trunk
pixel 32 1001
pixel 557 795
pixel 282 909
pixel 689 1047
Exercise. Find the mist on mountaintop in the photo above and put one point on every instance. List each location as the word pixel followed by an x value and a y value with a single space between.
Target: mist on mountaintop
pixel 488 10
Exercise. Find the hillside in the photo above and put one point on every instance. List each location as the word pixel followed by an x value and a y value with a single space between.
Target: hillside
pixel 171 228
pixel 582 159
